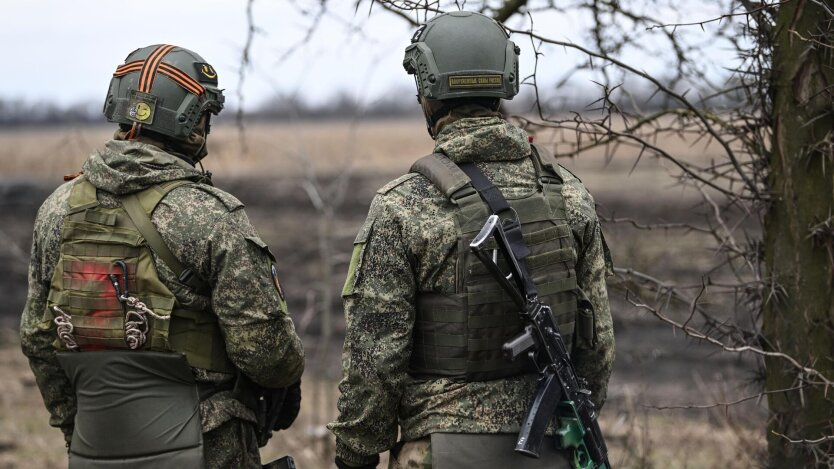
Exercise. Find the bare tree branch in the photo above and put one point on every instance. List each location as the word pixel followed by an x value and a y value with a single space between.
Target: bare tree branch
pixel 696 334
pixel 723 404
pixel 245 61
pixel 508 9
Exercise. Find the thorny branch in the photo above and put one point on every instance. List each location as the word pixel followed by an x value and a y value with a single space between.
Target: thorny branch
pixel 816 441
pixel 696 334
pixel 749 9
pixel 655 226
pixel 740 400
pixel 680 98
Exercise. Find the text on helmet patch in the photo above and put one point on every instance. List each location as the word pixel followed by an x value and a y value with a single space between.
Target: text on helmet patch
pixel 476 81
pixel 141 107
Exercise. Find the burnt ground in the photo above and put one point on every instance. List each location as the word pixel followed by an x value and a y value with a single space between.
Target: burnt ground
pixel 654 367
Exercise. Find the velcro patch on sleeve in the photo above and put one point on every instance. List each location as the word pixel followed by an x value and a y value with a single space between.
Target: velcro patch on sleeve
pixel 206 73
pixel 476 81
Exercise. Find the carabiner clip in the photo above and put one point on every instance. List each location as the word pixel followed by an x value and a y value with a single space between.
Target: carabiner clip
pixel 121 290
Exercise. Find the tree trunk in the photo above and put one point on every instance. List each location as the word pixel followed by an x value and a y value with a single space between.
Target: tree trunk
pixel 799 234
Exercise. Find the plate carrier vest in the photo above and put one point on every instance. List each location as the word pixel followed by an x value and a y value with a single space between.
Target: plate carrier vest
pixel 460 334
pixel 102 248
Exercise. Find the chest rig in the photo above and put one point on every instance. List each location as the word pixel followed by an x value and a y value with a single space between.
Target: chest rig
pixel 459 333
pixel 106 294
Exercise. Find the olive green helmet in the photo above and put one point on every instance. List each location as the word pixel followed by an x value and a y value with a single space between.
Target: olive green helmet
pixel 461 55
pixel 164 89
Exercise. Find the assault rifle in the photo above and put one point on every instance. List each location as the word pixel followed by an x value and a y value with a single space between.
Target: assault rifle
pixel 559 393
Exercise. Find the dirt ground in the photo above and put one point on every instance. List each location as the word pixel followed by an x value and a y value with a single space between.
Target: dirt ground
pixel 655 367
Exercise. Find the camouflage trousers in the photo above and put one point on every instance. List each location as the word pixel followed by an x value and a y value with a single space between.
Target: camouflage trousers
pixel 414 454
pixel 232 444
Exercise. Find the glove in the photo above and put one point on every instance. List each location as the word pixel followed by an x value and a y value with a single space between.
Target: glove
pixel 289 408
pixel 277 410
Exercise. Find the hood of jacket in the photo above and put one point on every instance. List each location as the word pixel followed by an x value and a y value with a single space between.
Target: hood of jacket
pixel 482 139
pixel 125 166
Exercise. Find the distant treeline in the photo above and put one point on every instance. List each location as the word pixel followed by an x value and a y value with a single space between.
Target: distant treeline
pixel 286 108
pixel 15 112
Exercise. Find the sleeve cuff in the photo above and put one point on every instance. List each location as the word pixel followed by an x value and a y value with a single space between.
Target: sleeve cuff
pixel 354 459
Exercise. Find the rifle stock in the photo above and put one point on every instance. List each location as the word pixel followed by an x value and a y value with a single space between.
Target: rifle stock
pixel 493 229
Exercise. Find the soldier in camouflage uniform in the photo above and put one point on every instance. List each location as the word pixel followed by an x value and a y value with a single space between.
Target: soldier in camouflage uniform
pixel 410 253
pixel 218 282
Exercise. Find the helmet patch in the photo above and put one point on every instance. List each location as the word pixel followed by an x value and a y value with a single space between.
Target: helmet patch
pixel 141 107
pixel 206 73
pixel 142 111
pixel 476 81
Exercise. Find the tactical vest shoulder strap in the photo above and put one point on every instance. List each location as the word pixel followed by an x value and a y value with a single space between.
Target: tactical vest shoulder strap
pixel 442 172
pixel 139 206
pixel 82 195
pixel 449 178
pixel 545 162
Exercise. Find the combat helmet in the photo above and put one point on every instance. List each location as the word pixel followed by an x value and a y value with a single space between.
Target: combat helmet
pixel 463 54
pixel 164 89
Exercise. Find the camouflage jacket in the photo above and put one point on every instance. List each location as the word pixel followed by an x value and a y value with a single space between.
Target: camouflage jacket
pixel 206 229
pixel 404 247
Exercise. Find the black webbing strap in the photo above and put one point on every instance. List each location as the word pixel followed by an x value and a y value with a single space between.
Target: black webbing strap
pixel 491 195
pixel 512 226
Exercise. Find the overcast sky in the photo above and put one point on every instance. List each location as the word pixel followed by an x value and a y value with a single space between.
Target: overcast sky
pixel 66 51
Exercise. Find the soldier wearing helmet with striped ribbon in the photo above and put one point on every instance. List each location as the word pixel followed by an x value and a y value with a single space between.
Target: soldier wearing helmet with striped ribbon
pixel 425 320
pixel 154 318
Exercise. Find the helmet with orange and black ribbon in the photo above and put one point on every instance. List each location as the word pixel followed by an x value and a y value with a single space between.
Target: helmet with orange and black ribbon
pixel 164 89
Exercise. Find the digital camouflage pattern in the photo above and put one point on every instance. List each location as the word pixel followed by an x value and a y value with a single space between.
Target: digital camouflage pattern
pixel 208 230
pixel 406 245
pixel 232 444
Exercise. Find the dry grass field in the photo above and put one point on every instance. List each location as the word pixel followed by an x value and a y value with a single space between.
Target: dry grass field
pixel 655 367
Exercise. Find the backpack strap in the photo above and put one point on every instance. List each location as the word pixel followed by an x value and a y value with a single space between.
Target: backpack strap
pixel 442 172
pixel 138 207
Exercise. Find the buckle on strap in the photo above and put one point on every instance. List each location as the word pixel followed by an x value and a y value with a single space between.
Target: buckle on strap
pixel 189 278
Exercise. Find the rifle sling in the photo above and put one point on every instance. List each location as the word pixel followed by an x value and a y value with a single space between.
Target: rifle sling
pixel 498 203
